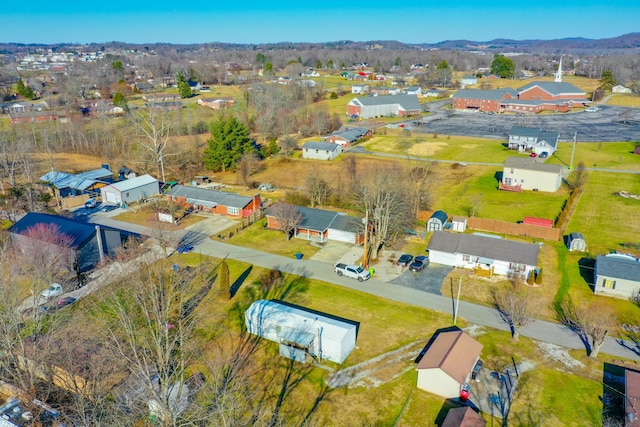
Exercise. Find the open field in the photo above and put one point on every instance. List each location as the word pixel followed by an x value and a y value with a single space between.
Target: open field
pixel 624 100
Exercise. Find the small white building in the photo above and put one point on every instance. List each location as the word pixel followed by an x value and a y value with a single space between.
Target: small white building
pixel 459 223
pixel 130 190
pixel 617 275
pixel 576 242
pixel 438 221
pixel 321 150
pixel 447 364
pixel 359 89
pixel 301 331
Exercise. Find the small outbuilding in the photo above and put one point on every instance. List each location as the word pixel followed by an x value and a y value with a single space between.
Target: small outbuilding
pixel 301 331
pixel 459 223
pixel 576 242
pixel 437 221
pixel 447 363
pixel 130 190
pixel 321 150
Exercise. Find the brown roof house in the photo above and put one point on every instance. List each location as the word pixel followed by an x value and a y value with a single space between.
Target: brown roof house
pixel 447 363
pixel 463 416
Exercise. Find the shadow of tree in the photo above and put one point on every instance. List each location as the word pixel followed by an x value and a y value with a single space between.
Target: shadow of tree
pixel 235 286
pixel 192 303
pixel 566 314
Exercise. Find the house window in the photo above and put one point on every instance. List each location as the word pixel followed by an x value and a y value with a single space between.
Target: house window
pixel 507 181
pixel 466 258
pixel 232 211
pixel 609 284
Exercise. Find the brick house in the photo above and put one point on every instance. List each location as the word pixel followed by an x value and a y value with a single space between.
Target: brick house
pixel 213 201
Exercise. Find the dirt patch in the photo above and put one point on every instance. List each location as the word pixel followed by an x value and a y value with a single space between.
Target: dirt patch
pixel 427 148
pixel 560 354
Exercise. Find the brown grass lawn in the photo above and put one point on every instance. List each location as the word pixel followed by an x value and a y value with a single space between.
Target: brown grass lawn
pixel 624 100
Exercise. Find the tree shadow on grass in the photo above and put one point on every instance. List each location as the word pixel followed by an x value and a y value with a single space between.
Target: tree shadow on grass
pixel 233 290
pixel 192 303
pixel 566 315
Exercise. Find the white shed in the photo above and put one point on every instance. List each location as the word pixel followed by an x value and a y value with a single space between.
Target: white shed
pixel 301 331
pixel 576 242
pixel 459 223
pixel 447 363
pixel 130 190
pixel 438 221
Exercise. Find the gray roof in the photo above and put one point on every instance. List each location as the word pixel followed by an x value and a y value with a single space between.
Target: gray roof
pixel 495 94
pixel 485 247
pixel 210 196
pixel 407 102
pixel 618 267
pixel 132 183
pixel 321 220
pixel 78 181
pixel 324 146
pixel 350 134
pixel 575 236
pixel 550 138
pixel 531 164
pixel 554 88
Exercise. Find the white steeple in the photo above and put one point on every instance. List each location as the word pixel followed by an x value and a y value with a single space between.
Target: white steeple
pixel 559 72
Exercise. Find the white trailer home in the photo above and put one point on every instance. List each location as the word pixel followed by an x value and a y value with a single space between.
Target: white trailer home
pixel 301 332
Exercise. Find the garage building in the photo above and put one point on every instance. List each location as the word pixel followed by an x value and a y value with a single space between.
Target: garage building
pixel 130 190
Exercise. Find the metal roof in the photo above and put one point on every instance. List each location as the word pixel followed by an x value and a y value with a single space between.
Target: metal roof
pixel 495 94
pixel 209 197
pixel 407 102
pixel 78 181
pixel 130 184
pixel 485 247
pixel 78 231
pixel 618 267
pixel 553 88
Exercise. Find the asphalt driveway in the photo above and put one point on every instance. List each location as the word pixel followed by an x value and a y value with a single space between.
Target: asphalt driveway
pixel 428 280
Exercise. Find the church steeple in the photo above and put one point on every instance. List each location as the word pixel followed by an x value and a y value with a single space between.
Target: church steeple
pixel 559 72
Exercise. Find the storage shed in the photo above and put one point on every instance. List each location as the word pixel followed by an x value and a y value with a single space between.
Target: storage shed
pixel 130 190
pixel 459 223
pixel 437 221
pixel 301 331
pixel 576 242
pixel 447 363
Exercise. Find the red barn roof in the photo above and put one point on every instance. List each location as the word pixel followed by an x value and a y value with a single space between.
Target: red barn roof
pixel 540 222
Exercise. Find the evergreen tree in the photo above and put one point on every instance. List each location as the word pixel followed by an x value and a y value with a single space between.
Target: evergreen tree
pixel 229 141
pixel 607 80
pixel 24 90
pixel 183 87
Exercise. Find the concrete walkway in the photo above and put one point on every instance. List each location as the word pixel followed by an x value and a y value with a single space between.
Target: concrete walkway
pixel 320 270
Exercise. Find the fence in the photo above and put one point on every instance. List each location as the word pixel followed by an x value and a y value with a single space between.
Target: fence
pixel 242 224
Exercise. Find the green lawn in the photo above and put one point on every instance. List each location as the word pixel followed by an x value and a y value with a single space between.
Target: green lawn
pixel 608 155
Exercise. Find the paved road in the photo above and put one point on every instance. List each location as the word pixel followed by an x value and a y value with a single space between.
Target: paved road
pixel 481 315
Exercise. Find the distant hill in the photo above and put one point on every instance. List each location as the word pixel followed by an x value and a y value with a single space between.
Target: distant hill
pixel 620 44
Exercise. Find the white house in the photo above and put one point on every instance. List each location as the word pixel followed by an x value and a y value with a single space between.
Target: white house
pixel 532 140
pixel 472 251
pixel 468 80
pixel 301 331
pixel 447 363
pixel 130 190
pixel 359 89
pixel 525 173
pixel 321 150
pixel 617 275
pixel 620 89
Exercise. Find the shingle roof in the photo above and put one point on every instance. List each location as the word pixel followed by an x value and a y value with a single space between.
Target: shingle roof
pixel 619 267
pixel 440 216
pixel 485 247
pixel 321 220
pixel 78 231
pixel 324 146
pixel 463 416
pixel 351 134
pixel 454 352
pixel 529 163
pixel 212 196
pixel 554 88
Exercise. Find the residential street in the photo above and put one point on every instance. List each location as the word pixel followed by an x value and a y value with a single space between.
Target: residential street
pixel 198 236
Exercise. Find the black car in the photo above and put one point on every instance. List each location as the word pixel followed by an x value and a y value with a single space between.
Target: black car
pixel 404 260
pixel 416 266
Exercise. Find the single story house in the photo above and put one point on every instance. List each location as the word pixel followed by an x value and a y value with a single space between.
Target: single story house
pixel 347 136
pixel 414 90
pixel 219 103
pixel 130 190
pixel 218 202
pixel 533 140
pixel 437 221
pixel 385 90
pixel 617 275
pixel 161 97
pixel 321 150
pixel 69 184
pixel 33 116
pixel 468 80
pixel 384 106
pixel 621 89
pixel 300 331
pixel 359 89
pixel 525 173
pixel 447 363
pixel 321 225
pixel 89 243
pixel 481 252
pixel 576 242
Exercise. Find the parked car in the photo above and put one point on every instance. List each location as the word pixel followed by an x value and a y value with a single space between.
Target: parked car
pixel 533 155
pixel 591 109
pixel 109 208
pixel 422 258
pixel 416 265
pixel 90 203
pixel 63 302
pixel 351 270
pixel 54 290
pixel 544 155
pixel 404 260
pixel 185 248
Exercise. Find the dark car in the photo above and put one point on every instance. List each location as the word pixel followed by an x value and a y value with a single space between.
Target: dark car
pixel 63 302
pixel 109 208
pixel 422 258
pixel 416 266
pixel 404 260
pixel 186 248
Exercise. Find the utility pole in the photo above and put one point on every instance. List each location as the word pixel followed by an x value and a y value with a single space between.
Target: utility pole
pixel 455 311
pixel 365 257
pixel 573 150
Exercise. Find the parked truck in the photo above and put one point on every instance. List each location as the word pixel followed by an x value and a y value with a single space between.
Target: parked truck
pixel 353 271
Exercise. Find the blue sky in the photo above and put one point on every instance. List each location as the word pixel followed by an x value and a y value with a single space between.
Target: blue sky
pixel 145 21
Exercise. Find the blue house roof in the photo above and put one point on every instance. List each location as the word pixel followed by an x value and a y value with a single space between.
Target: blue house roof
pixel 618 267
pixel 78 231
pixel 80 181
pixel 440 216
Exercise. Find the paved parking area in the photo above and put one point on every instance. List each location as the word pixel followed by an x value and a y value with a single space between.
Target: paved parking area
pixel 428 280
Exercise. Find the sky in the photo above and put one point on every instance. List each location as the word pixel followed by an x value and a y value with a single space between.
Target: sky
pixel 426 21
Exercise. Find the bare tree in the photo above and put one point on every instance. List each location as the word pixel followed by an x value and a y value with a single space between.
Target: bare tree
pixel 418 177
pixel 592 323
pixel 382 193
pixel 247 166
pixel 578 177
pixel 517 309
pixel 154 127
pixel 318 188
pixel 351 171
pixel 288 144
pixel 287 216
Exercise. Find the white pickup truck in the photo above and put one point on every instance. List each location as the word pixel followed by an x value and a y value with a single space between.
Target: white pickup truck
pixel 352 271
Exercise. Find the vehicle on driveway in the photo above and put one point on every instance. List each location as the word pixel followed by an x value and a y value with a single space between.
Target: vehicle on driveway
pixel 109 208
pixel 63 302
pixel 54 290
pixel 416 266
pixel 185 248
pixel 591 109
pixel 353 271
pixel 90 203
pixel 404 260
